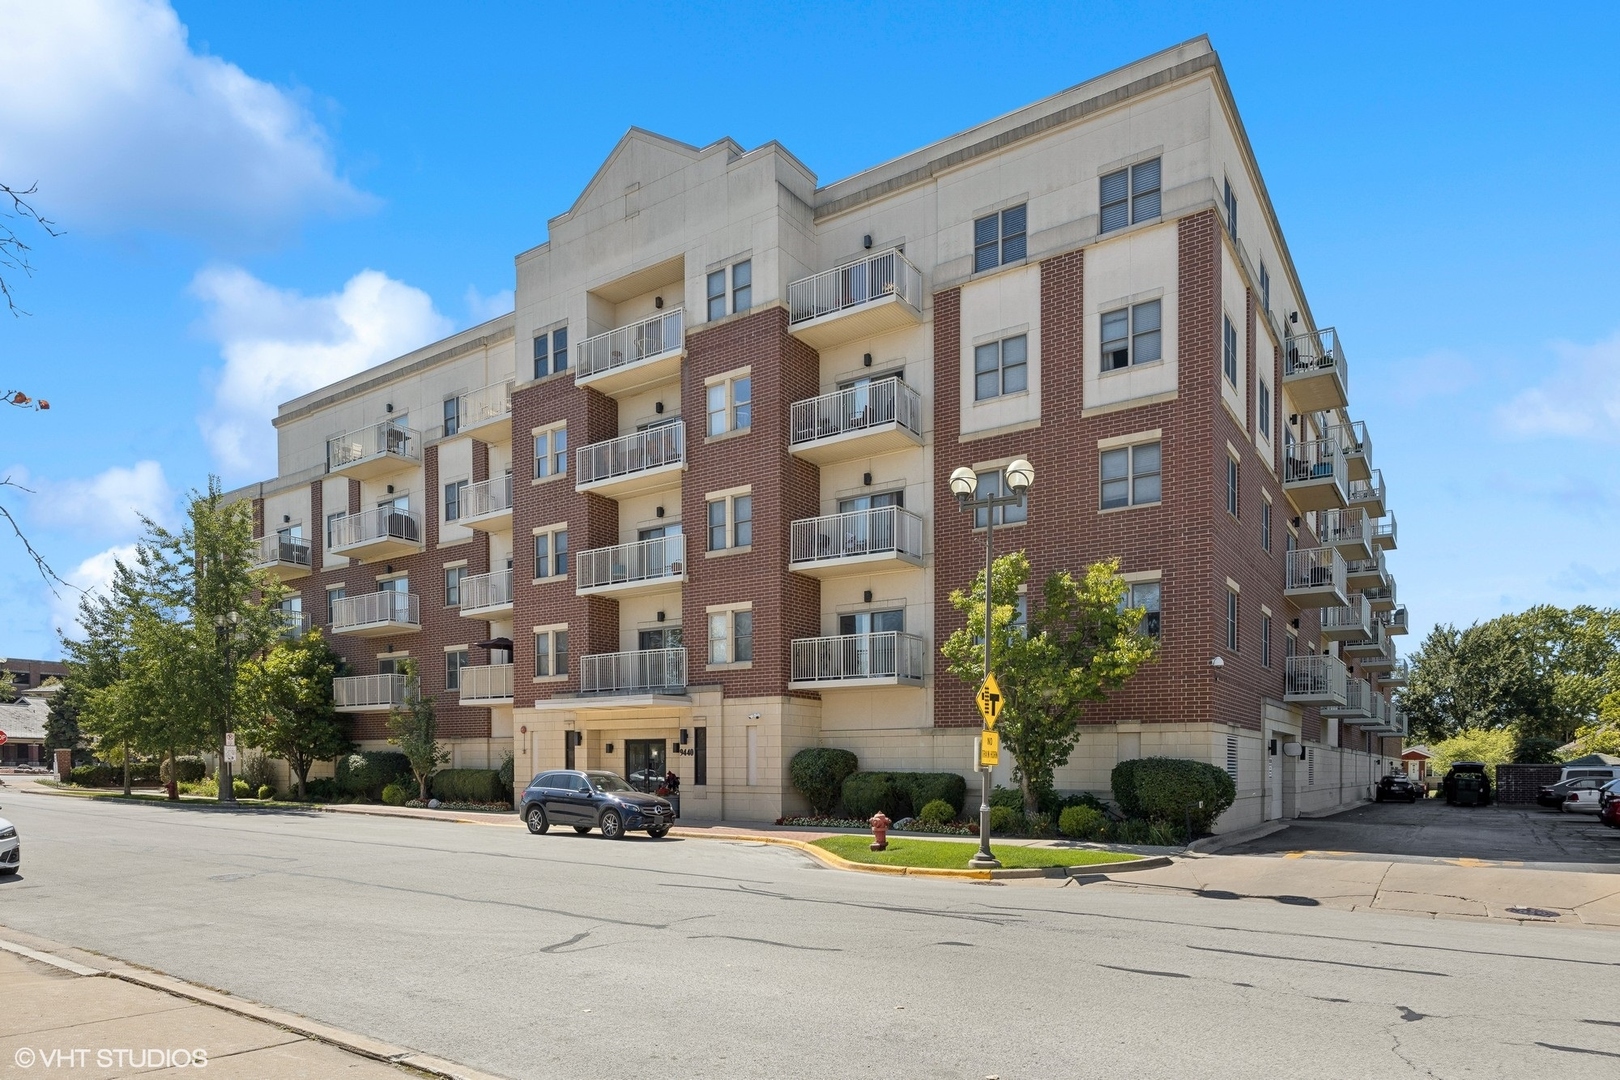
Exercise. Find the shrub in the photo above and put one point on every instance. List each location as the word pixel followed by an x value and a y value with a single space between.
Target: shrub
pixel 925 787
pixel 190 770
pixel 1167 834
pixel 396 794
pixel 818 773
pixel 266 791
pixel 1011 798
pixel 469 785
pixel 367 772
pixel 1081 822
pixel 1038 824
pixel 1006 821
pixel 508 767
pixel 240 789
pixel 141 772
pixel 865 793
pixel 96 775
pixel 208 786
pixel 938 812
pixel 1168 790
pixel 323 790
pixel 1130 831
pixel 257 770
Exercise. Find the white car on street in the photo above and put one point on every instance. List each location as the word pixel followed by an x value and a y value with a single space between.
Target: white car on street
pixel 1583 796
pixel 10 848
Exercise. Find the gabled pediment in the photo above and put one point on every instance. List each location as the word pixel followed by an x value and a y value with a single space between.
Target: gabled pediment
pixel 641 157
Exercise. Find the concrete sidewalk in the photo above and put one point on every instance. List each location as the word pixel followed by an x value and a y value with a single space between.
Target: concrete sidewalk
pixel 74 1012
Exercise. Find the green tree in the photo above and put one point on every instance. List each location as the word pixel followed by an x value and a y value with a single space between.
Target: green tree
pixel 1493 747
pixel 62 722
pixel 1602 736
pixel 413 726
pixel 291 714
pixel 1080 643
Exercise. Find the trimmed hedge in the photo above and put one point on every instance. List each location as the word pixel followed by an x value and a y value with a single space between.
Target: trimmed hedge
pixel 469 785
pixel 322 789
pixel 899 794
pixel 819 772
pixel 1051 803
pixel 367 772
pixel 938 812
pixel 96 775
pixel 191 769
pixel 1168 791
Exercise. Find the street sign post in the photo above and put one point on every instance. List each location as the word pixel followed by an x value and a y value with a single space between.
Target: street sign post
pixel 988 698
pixel 230 754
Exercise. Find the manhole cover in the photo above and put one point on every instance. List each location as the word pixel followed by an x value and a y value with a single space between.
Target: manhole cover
pixel 1534 912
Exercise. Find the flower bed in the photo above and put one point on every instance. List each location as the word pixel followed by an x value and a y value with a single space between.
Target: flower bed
pixel 813 822
pixel 477 807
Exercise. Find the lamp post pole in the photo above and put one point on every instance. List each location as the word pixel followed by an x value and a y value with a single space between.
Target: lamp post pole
pixel 225 628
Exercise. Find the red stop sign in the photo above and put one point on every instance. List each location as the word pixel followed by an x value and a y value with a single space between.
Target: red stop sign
pixel 2 738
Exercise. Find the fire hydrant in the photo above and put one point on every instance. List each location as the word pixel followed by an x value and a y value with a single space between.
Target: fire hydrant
pixel 880 831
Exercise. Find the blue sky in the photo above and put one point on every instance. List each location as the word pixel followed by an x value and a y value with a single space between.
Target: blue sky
pixel 261 197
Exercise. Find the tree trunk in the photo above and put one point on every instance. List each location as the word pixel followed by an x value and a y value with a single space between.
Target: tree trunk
pixel 422 784
pixel 301 771
pixel 174 777
pixel 126 770
pixel 1032 802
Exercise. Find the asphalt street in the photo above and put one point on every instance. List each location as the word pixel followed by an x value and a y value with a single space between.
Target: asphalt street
pixel 567 956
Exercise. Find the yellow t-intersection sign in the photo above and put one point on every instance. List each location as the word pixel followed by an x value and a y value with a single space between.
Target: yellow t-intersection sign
pixel 988 698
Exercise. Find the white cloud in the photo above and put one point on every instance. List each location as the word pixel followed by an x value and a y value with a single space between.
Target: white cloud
pixel 484 308
pixel 278 344
pixel 1579 399
pixel 90 576
pixel 105 104
pixel 107 505
pixel 1440 373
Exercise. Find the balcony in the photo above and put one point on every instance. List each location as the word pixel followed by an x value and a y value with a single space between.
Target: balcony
pixel 643 565
pixel 1348 530
pixel 864 298
pixel 1375 642
pixel 487 505
pixel 1394 620
pixel 634 356
pixel 1399 674
pixel 487 596
pixel 488 684
pixel 1366 573
pixel 380 533
pixel 1369 494
pixel 1382 660
pixel 859 541
pixel 1315 578
pixel 876 418
pixel 1314 475
pixel 1314 373
pixel 294 625
pixel 647 671
pixel 1381 597
pixel 377 614
pixel 486 412
pixel 1383 535
pixel 368 693
pixel 1358 697
pixel 1357 446
pixel 1399 723
pixel 1315 680
pixel 889 658
pixel 285 557
pixel 645 461
pixel 1348 622
pixel 374 451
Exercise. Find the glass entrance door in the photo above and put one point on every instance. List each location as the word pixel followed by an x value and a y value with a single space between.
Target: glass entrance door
pixel 645 763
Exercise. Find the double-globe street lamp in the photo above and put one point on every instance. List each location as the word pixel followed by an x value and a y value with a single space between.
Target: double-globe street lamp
pixel 1019 475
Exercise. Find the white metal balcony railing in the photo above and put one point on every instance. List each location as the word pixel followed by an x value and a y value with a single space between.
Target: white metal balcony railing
pixel 490 590
pixel 1352 437
pixel 386 439
pixel 847 657
pixel 870 278
pixel 374 608
pixel 1344 528
pixel 379 523
pixel 486 682
pixel 1362 569
pixel 1319 568
pixel 855 409
pixel 1314 678
pixel 1353 620
pixel 1383 533
pixel 652 560
pixel 630 454
pixel 492 496
pixel 1369 644
pixel 1399 673
pixel 1369 491
pixel 484 405
pixel 1381 597
pixel 1307 353
pixel 368 691
pixel 644 340
pixel 646 671
pixel 1314 459
pixel 883 530
pixel 278 550
pixel 294 624
pixel 1393 620
pixel 1357 699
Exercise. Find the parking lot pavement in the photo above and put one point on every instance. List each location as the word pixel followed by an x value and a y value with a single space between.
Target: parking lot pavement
pixel 1527 835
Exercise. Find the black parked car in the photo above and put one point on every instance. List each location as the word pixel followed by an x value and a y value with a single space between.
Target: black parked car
pixel 1553 794
pixel 1466 784
pixel 593 800
pixel 1397 786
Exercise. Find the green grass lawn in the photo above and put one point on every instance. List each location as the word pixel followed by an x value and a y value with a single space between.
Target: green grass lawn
pixel 953 855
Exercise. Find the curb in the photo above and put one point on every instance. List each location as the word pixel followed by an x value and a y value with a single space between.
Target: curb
pixel 348 1041
pixel 839 863
pixel 1209 845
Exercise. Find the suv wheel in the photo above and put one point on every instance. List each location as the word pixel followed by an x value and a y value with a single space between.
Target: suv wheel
pixel 612 825
pixel 535 819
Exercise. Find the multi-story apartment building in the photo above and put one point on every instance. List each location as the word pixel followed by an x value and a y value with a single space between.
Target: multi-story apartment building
pixel 686 507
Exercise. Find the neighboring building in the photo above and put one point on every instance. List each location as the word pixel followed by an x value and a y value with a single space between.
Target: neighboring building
pixel 686 507
pixel 1415 760
pixel 32 673
pixel 23 722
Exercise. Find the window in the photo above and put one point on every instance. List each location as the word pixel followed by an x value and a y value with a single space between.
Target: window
pixel 890 620
pixel 731 405
pixel 1232 485
pixel 1130 475
pixel 1145 594
pixel 1131 336
pixel 994 484
pixel 389 665
pixel 1229 350
pixel 742 286
pixel 551 554
pixel 700 756
pixel 1231 210
pixel 998 239
pixel 1264 407
pixel 731 637
pixel 731 522
pixel 550 653
pixel 452 416
pixel 1231 620
pixel 454 493
pixel 551 352
pixel 1265 524
pixel 1000 368
pixel 1130 195
pixel 1265 641
pixel 331 524
pixel 333 595
pixel 1265 286
pixel 717 294
pixel 1291 644
pixel 453 577
pixel 454 661
pixel 551 452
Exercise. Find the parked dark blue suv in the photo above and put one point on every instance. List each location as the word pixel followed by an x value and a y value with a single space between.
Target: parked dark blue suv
pixel 593 800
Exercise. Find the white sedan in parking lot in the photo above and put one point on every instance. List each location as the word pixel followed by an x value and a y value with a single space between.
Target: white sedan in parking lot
pixel 1583 796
